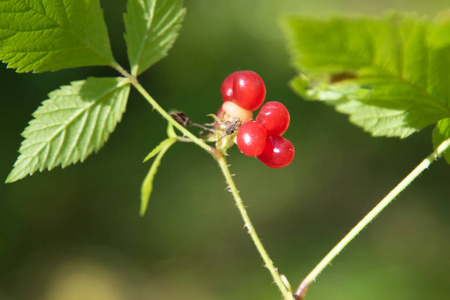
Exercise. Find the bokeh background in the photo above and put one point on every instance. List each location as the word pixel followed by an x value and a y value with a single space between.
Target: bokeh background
pixel 75 233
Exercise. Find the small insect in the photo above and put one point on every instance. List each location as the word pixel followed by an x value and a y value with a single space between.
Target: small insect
pixel 233 126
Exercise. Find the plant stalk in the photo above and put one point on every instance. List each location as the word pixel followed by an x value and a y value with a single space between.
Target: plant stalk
pixel 440 150
pixel 251 230
pixel 134 81
pixel 220 158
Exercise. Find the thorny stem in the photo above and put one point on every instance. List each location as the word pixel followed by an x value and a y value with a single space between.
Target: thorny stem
pixel 251 230
pixel 220 158
pixel 301 291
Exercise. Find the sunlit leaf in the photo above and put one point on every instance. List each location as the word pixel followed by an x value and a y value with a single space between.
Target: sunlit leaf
pixel 396 59
pixel 158 148
pixel 152 27
pixel 48 35
pixel 346 99
pixel 147 184
pixel 171 131
pixel 74 122
pixel 440 133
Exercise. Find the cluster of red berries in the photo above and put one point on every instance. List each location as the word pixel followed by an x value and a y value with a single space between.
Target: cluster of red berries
pixel 243 92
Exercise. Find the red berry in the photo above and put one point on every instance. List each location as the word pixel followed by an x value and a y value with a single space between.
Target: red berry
pixel 231 111
pixel 251 138
pixel 245 88
pixel 227 87
pixel 275 117
pixel 278 152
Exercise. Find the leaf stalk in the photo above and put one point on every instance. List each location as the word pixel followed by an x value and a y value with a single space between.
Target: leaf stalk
pixel 135 82
pixel 440 150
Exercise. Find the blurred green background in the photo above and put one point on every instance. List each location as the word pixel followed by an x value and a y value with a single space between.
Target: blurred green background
pixel 75 233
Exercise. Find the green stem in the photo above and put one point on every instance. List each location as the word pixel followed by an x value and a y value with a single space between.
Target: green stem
pixel 220 158
pixel 251 230
pixel 301 291
pixel 133 80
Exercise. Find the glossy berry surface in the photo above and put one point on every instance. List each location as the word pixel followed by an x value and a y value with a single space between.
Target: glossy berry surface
pixel 227 87
pixel 230 111
pixel 278 152
pixel 245 88
pixel 251 138
pixel 275 117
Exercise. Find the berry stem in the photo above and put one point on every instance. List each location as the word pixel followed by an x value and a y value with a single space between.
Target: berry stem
pixel 440 150
pixel 134 81
pixel 251 230
pixel 220 158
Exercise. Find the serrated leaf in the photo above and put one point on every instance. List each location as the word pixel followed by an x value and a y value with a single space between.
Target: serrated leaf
pixel 75 121
pixel 408 77
pixel 147 184
pixel 152 27
pixel 48 35
pixel 440 133
pixel 158 148
pixel 376 120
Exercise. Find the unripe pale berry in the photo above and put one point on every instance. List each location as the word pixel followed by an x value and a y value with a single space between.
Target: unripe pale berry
pixel 245 88
pixel 278 152
pixel 231 111
pixel 275 117
pixel 251 138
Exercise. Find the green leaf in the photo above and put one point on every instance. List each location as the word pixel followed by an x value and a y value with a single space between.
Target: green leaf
pixel 147 184
pixel 171 131
pixel 377 120
pixel 158 148
pixel 347 99
pixel 440 133
pixel 393 58
pixel 75 121
pixel 440 34
pixel 152 27
pixel 52 35
pixel 322 47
